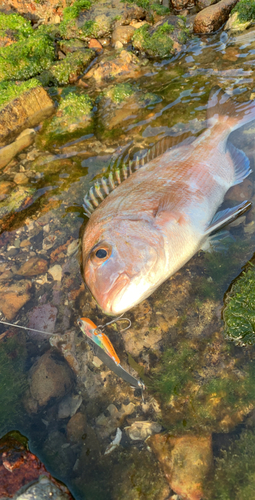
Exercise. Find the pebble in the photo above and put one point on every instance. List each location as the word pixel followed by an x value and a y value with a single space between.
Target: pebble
pixel 14 297
pixel 139 431
pixel 72 247
pixel 33 267
pixel 20 178
pixel 69 406
pixel 56 272
pixel 76 427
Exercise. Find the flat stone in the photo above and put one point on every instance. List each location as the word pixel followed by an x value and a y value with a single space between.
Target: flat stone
pixel 69 406
pixel 213 17
pixel 51 377
pixel 13 297
pixel 186 461
pixel 56 272
pixel 95 45
pixel 20 178
pixel 34 266
pixel 126 65
pixel 23 141
pixel 27 110
pixel 43 318
pixel 76 427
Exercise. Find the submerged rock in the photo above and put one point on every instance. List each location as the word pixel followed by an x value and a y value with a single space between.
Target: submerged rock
pixel 68 69
pixel 213 17
pixel 122 34
pixel 23 141
pixel 124 66
pixel 242 16
pixel 142 430
pixel 13 297
pixel 186 462
pixel 26 110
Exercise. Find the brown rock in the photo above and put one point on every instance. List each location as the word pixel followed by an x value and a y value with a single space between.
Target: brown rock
pixel 76 427
pixel 186 462
pixel 203 4
pixel 122 34
pixel 122 67
pixel 13 297
pixel 182 4
pixel 5 187
pixel 213 17
pixel 95 45
pixel 51 377
pixel 33 266
pixel 24 111
pixel 20 178
pixel 23 141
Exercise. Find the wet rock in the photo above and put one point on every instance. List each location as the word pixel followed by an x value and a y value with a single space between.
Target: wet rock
pixel 23 141
pixel 76 427
pixel 69 406
pixel 56 272
pixel 20 178
pixel 213 17
pixel 44 489
pixel 32 10
pixel 5 187
pixel 68 69
pixel 19 197
pixel 59 454
pixel 181 4
pixel 95 45
pixel 142 430
pixel 186 462
pixel 126 65
pixel 43 318
pixel 24 111
pixel 122 34
pixel 72 45
pixel 50 377
pixel 235 24
pixel 33 266
pixel 203 4
pixel 14 297
pixel 108 424
pixel 19 468
pixel 163 39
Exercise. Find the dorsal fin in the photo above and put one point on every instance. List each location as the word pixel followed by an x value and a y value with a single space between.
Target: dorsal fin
pixel 105 185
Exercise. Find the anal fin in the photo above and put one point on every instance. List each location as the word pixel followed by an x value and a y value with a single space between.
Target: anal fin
pixel 241 163
pixel 224 217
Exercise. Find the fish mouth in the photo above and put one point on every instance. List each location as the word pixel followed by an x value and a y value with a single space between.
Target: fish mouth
pixel 117 289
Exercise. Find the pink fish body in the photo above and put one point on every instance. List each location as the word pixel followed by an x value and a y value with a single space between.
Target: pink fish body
pixel 158 218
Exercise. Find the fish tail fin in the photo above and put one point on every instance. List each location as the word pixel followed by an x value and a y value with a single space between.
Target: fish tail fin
pixel 222 108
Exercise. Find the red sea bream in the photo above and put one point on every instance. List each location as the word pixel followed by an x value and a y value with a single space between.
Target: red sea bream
pixel 158 218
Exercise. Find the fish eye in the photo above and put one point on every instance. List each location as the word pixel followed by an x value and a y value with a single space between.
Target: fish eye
pixel 101 253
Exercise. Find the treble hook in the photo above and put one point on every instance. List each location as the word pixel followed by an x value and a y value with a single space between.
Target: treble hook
pixel 101 327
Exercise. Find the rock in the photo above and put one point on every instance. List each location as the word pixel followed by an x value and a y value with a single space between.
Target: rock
pixel 24 111
pixel 43 318
pixel 69 406
pixel 203 4
pixel 72 247
pixel 56 272
pixel 68 69
pixel 186 462
pixel 50 377
pixel 13 297
pixel 20 178
pixel 108 424
pixel 33 266
pixel 181 4
pixel 122 34
pixel 72 45
pixel 76 427
pixel 118 45
pixel 126 65
pixel 235 24
pixel 213 17
pixel 5 187
pixel 95 45
pixel 19 467
pixel 142 430
pixel 44 489
pixel 23 141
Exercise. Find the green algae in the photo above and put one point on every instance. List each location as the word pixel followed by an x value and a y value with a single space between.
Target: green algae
pixel 234 470
pixel 158 44
pixel 194 400
pixel 73 118
pixel 19 27
pixel 119 93
pixel 26 58
pixel 68 69
pixel 245 10
pixel 239 311
pixel 12 90
pixel 13 380
pixel 73 11
pixel 90 29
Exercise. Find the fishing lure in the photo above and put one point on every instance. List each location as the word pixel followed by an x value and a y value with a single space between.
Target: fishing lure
pixel 105 351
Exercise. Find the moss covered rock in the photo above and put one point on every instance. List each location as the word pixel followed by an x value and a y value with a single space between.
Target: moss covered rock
pixel 73 118
pixel 13 28
pixel 67 70
pixel 163 39
pixel 242 16
pixel 239 312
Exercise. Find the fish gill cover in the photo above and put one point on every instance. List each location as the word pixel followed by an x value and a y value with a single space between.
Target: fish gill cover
pixel 239 312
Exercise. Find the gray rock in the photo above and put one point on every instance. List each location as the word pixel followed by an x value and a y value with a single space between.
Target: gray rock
pixel 43 489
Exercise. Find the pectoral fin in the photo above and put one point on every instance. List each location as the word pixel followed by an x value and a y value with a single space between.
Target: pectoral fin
pixel 224 217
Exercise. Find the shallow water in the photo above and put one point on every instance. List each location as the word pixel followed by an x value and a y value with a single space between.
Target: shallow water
pixel 198 383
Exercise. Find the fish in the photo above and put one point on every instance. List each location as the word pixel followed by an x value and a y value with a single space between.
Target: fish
pixel 105 351
pixel 150 219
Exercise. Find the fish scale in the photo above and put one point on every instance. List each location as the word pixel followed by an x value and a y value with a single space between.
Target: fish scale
pixel 152 223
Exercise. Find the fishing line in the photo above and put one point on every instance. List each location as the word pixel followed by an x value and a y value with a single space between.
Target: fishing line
pixel 101 327
pixel 26 328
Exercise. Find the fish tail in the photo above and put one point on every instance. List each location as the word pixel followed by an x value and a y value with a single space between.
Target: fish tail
pixel 221 108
